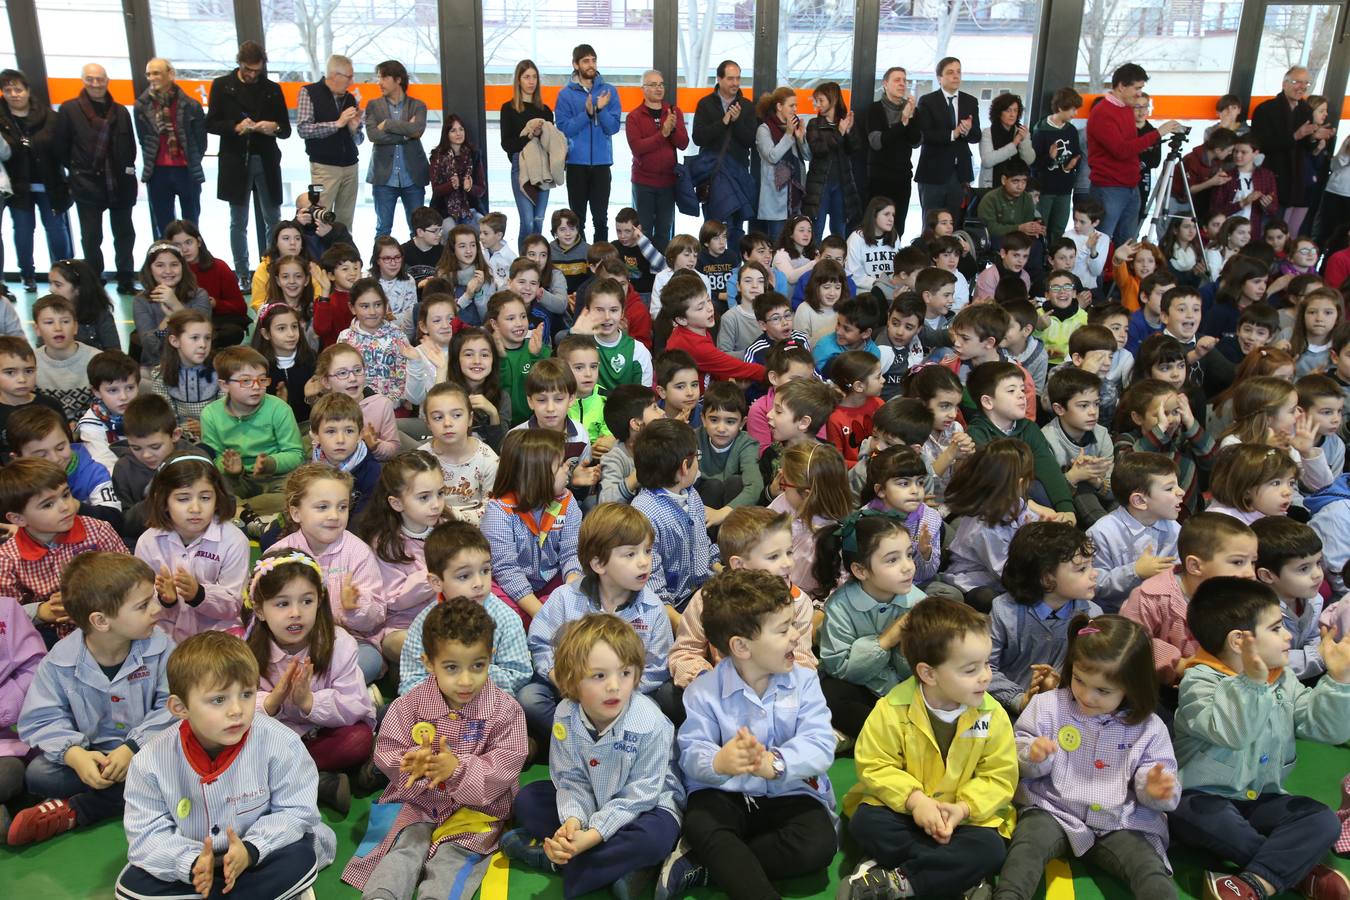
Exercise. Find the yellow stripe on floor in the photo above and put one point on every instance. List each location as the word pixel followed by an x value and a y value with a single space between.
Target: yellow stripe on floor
pixel 499 874
pixel 1058 880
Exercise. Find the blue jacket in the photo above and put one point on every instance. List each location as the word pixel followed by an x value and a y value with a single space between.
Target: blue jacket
pixel 588 136
pixel 89 479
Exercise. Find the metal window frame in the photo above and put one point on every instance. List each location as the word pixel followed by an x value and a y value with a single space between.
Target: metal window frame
pixel 23 25
pixel 1248 49
pixel 140 40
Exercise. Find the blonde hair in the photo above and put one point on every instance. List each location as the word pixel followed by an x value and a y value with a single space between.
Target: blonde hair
pixel 579 637
pixel 608 526
pixel 208 660
pixel 301 480
pixel 818 471
pixel 1254 402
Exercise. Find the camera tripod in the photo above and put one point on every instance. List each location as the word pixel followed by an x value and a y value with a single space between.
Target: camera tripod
pixel 1155 212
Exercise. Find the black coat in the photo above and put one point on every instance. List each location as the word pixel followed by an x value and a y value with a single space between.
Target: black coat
pixel 1273 125
pixel 939 154
pixel 895 160
pixel 832 158
pixel 709 132
pixel 35 161
pixel 73 143
pixel 231 101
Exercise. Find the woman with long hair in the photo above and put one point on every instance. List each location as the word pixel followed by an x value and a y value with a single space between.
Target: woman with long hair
pixel 783 152
pixel 523 118
pixel 458 179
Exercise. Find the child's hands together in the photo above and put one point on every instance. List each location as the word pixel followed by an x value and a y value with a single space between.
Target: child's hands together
pixel 232 463
pixel 263 465
pixel 302 686
pixel 1160 784
pixel 1044 678
pixel 204 869
pixel 185 583
pixel 1336 655
pixel 164 587
pixel 117 763
pixel 236 860
pixel 281 689
pixel 88 765
pixel 740 755
pixel 929 815
pixel 1041 749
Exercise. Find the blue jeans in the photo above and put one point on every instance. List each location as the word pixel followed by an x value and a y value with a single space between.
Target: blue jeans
pixel 56 226
pixel 831 205
pixel 387 197
pixel 370 661
pixel 167 183
pixel 268 213
pixel 656 213
pixel 530 212
pixel 1121 219
pixel 50 780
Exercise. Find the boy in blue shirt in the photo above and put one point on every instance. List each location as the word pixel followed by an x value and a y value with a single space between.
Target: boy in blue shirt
pixel 857 319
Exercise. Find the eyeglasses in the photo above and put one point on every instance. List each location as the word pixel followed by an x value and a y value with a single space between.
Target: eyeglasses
pixel 1060 288
pixel 344 374
pixel 395 258
pixel 778 320
pixel 260 381
pixel 1312 250
pixel 1297 82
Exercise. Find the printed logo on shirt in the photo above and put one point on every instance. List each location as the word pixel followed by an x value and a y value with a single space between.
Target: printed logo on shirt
pixel 207 554
pixel 617 362
pixel 628 743
pixel 979 730
pixel 639 625
pixel 474 730
pixel 142 672
pixel 1125 746
pixel 246 796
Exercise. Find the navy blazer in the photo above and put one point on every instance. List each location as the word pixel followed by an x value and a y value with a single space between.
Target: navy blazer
pixel 939 154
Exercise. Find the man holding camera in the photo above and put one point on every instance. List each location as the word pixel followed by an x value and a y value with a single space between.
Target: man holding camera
pixel 322 230
pixel 329 119
pixel 1114 146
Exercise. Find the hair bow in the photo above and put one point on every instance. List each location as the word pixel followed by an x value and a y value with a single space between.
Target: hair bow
pixel 848 526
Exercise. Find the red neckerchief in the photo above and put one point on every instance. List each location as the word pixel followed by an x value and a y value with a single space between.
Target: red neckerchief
pixel 207 769
pixel 540 528
pixel 32 551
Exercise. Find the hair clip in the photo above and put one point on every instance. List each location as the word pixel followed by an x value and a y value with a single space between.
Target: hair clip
pixel 848 526
pixel 1089 629
pixel 268 307
pixel 196 456
pixel 269 563
pixel 159 246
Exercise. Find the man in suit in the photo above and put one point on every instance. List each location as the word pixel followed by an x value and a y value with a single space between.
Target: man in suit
pixel 949 123
pixel 398 166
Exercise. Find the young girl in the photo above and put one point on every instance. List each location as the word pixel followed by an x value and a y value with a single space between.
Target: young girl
pixel 291 283
pixel 1243 282
pixel 169 286
pixel 797 252
pixel 1132 263
pixel 523 279
pixel 825 288
pixel 458 180
pixel 1049 567
pixel 871 247
pixel 341 368
pixel 408 501
pixel 469 466
pixel 1266 411
pixel 1155 416
pixel 1185 255
pixel 858 374
pixel 383 346
pixel 318 500
pixel 752 280
pixel 897 480
pixel 74 280
pixel 813 489
pixel 229 315
pixel 1105 707
pixel 532 521
pixel 552 282
pixel 1261 361
pixel 288 239
pixel 185 376
pixel 1302 259
pixel 199 557
pixel 1319 312
pixel 1252 481
pixel 290 358
pixel 473 364
pixel 1163 357
pixel 860 658
pixel 400 291
pixel 941 391
pixel 686 322
pixel 986 499
pixel 681 256
pixel 465 266
pixel 1233 235
pixel 310 680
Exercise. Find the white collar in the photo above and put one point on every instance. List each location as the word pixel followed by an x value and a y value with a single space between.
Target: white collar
pixel 944 715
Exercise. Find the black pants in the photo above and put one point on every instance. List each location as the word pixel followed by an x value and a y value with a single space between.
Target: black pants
pixel 285 873
pixel 742 839
pixel 894 840
pixel 124 239
pixel 950 195
pixel 1039 838
pixel 590 185
pixel 882 184
pixel 850 704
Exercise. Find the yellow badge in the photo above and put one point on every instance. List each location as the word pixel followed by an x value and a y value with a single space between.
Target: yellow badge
pixel 423 733
pixel 184 808
pixel 1070 738
pixel 559 731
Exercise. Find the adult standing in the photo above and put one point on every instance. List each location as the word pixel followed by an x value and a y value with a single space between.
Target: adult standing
pixel 781 142
pixel 1285 132
pixel 588 113
pixel 328 118
pixel 38 183
pixel 892 134
pixel 1151 158
pixel 398 163
pixel 724 125
pixel 172 131
pixel 1114 146
pixel 832 136
pixel 248 111
pixel 523 118
pixel 1007 137
pixel 95 141
pixel 949 124
pixel 655 131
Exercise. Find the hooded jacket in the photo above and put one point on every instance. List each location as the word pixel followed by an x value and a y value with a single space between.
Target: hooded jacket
pixel 588 135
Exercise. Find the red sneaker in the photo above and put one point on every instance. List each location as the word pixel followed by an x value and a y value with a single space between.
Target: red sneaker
pixel 1324 883
pixel 37 823
pixel 1219 886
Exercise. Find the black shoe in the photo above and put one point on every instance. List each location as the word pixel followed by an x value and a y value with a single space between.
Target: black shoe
pixel 335 791
pixel 245 281
pixel 30 285
pixel 126 287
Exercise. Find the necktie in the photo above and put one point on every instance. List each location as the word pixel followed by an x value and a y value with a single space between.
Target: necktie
pixel 951 104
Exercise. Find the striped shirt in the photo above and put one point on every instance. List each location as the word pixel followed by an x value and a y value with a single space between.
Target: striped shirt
pixel 510 666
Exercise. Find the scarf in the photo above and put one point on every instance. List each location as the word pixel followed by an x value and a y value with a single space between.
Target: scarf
pixel 196 384
pixel 350 463
pixel 163 109
pixel 104 140
pixel 892 111
pixel 787 172
pixel 208 769
pixel 112 423
pixel 452 201
pixel 554 514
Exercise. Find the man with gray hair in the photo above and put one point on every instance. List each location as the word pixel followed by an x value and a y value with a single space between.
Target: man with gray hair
pixel 655 132
pixel 1284 131
pixel 329 119
pixel 172 131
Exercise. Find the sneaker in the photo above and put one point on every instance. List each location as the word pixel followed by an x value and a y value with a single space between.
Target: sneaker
pixel 679 873
pixel 518 845
pixel 1324 883
pixel 871 882
pixel 30 285
pixel 376 697
pixel 982 891
pixel 637 883
pixel 842 743
pixel 1219 886
pixel 335 791
pixel 369 778
pixel 37 823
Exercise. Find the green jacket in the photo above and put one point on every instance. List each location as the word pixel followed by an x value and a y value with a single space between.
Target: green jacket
pixel 271 429
pixel 1002 215
pixel 848 640
pixel 589 413
pixel 514 366
pixel 1048 472
pixel 741 459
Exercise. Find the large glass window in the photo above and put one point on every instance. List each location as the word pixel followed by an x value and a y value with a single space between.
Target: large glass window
pixel 815 42
pixel 197 36
pixel 711 31
pixel 7 57
pixel 1295 35
pixel 85 31
pixel 302 35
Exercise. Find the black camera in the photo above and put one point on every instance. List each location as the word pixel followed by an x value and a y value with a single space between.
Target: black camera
pixel 319 213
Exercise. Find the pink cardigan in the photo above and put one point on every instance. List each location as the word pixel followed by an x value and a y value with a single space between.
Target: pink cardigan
pixel 406 588
pixel 340 695
pixel 21 649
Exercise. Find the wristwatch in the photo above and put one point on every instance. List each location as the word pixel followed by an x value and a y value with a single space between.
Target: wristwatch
pixel 779 766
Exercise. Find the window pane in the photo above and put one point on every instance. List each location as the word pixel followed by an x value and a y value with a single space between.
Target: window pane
pixel 711 31
pixel 1294 36
pixel 301 37
pixel 197 36
pixel 619 30
pixel 815 42
pixel 92 32
pixel 7 58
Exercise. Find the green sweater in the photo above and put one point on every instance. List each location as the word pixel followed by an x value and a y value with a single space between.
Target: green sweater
pixel 270 429
pixel 1001 214
pixel 514 366
pixel 741 459
pixel 1048 473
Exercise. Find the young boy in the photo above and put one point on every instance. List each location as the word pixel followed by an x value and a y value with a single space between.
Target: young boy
pixel 1094 247
pixel 932 809
pixel 1082 447
pixel 623 359
pixel 937 288
pixel 676 378
pixel 741 327
pixel 508 321
pixel 581 355
pixel 901 342
pixel 728 457
pixel 1013 253
pixel 1061 316
pixel 946 253
pixel 423 250
pixel 459 564
pixel 1209 545
pixel 115 379
pixel 1114 319
pixel 754 749
pixel 716 260
pixel 333 314
pixel 781 365
pixel 1022 346
pixel 1147 320
pixel 18 382
pixel 1010 207
pixel 857 320
pixel 1138 539
pixel 550 390
pixel 757 246
pixel 1338 370
pixel 905 267
pixel 1058 154
pixel 637 252
pixel 62 361
pixel 615 549
pixel 773 316
pixel 976 333
pixel 152 435
pixel 1241 707
pixel 453 748
pixel 272 848
pixel 999 390
pixel 40 432
pixel 1182 308
pixel 99 695
pixel 1251 189
pixel 253 433
pixel 567 251
pixel 499 253
pixel 627 411
pixel 1289 559
pixel 335 423
pixel 1319 396
pixel 801 407
pixel 665 455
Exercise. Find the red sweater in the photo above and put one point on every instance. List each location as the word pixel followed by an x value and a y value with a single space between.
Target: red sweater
pixel 653 152
pixel 222 287
pixel 711 361
pixel 332 314
pixel 848 426
pixel 1114 144
pixel 638 317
